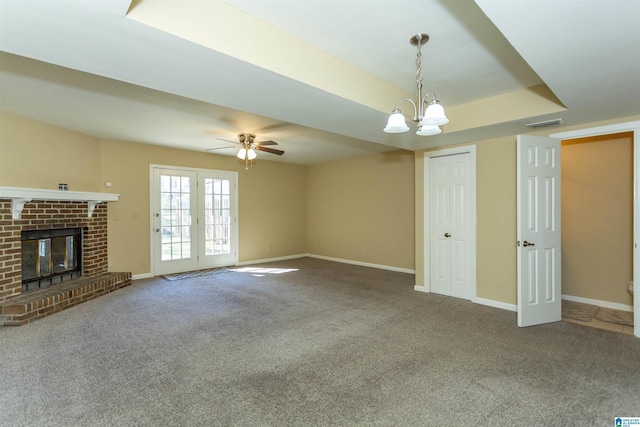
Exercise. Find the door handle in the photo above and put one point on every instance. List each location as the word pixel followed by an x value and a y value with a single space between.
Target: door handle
pixel 447 235
pixel 525 244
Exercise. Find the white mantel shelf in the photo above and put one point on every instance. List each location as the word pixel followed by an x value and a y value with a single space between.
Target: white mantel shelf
pixel 19 196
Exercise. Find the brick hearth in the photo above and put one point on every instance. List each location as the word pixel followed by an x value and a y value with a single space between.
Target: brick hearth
pixel 40 215
pixel 35 305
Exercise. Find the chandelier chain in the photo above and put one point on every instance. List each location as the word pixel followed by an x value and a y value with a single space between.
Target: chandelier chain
pixel 419 63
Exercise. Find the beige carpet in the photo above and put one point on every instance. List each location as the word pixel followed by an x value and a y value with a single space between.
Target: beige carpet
pixel 578 311
pixel 615 316
pixel 320 344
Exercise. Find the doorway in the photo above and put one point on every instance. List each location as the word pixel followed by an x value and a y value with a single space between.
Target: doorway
pixel 633 127
pixel 450 222
pixel 597 237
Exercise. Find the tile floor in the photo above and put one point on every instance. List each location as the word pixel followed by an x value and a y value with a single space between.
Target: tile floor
pixel 595 323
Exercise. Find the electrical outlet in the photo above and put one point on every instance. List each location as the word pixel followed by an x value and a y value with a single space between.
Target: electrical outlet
pixel 109 264
pixel 115 217
pixel 135 215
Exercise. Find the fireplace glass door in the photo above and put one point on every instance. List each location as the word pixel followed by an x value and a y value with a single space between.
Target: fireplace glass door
pixel 49 257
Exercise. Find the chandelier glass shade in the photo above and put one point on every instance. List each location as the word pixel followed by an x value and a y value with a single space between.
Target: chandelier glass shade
pixel 396 123
pixel 428 120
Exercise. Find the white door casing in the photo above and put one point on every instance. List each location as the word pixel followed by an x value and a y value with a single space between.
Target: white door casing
pixel 538 230
pixel 450 222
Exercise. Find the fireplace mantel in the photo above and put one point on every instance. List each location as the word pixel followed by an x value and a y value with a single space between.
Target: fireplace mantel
pixel 19 196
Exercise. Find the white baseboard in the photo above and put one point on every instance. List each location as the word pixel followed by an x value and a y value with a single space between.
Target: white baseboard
pixel 481 301
pixel 141 276
pixel 496 304
pixel 605 304
pixel 282 258
pixel 364 264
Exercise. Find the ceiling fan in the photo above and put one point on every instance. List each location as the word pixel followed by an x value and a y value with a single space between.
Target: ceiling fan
pixel 248 147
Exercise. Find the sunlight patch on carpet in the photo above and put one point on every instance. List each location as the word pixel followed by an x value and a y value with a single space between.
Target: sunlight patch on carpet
pixel 261 271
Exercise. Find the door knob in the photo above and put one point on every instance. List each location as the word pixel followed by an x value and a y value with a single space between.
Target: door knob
pixel 447 235
pixel 156 229
pixel 525 244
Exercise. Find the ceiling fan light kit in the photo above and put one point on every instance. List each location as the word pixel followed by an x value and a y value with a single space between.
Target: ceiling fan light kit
pixel 249 154
pixel 248 148
pixel 430 119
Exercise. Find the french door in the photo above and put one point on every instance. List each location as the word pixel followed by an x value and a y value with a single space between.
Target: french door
pixel 194 219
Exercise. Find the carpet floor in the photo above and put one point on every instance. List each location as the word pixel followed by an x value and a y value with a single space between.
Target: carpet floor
pixel 308 342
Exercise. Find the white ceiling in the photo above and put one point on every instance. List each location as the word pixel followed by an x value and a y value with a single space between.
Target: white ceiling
pixel 318 76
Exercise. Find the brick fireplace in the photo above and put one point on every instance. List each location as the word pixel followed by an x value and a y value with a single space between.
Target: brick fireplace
pixel 22 214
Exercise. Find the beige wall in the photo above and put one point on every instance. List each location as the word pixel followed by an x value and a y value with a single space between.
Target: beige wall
pixel 362 209
pixel 271 202
pixel 496 267
pixel 350 198
pixel 495 219
pixel 597 217
pixel 272 196
pixel 365 209
pixel 37 155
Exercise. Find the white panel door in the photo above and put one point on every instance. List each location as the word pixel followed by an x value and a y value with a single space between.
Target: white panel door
pixel 538 228
pixel 440 225
pixel 451 179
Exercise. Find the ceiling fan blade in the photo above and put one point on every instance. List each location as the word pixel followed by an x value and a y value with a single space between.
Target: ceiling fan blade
pixel 263 143
pixel 220 148
pixel 270 150
pixel 228 140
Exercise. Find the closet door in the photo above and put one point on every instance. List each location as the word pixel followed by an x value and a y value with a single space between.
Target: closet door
pixel 451 179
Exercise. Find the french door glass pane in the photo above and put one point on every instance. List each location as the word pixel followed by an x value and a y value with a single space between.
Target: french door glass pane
pixel 175 217
pixel 217 217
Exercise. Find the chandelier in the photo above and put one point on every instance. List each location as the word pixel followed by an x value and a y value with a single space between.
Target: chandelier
pixel 429 120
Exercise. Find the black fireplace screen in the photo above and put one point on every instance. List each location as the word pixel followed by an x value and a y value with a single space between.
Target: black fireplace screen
pixel 50 257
